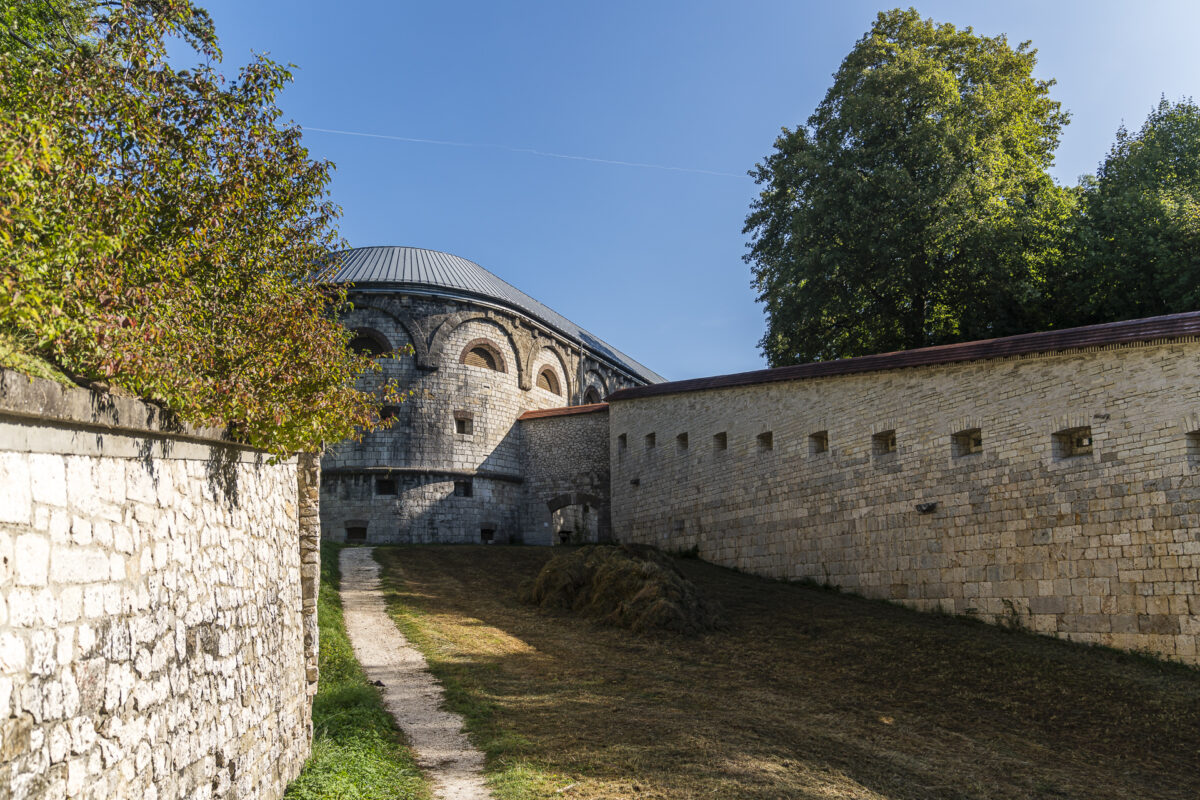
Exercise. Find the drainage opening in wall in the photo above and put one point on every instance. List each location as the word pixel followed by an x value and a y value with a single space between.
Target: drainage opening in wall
pixel 356 533
pixel 487 535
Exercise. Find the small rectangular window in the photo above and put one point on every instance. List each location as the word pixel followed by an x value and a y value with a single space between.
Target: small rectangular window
pixel 1073 442
pixel 649 441
pixel 356 533
pixel 883 443
pixel 622 442
pixel 966 443
pixel 1193 445
pixel 681 442
pixel 721 441
pixel 385 486
pixel 464 423
pixel 766 441
pixel 818 443
pixel 463 489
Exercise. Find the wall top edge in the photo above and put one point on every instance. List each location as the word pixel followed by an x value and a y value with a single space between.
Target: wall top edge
pixel 565 411
pixel 1169 329
pixel 23 397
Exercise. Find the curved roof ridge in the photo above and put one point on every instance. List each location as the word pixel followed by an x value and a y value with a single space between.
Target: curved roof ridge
pixel 396 266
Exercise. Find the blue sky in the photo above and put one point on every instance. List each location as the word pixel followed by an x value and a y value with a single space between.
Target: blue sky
pixel 646 258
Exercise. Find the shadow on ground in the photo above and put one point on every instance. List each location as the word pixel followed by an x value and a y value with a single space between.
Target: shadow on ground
pixel 808 694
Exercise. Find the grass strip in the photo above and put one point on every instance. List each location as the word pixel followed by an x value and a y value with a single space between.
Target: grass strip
pixel 513 769
pixel 358 753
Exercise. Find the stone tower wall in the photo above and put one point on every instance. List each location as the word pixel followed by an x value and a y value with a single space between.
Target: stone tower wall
pixel 1101 546
pixel 406 484
pixel 157 604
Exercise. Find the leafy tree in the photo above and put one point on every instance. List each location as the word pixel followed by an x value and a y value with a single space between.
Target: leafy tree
pixel 162 230
pixel 44 26
pixel 915 207
pixel 1139 232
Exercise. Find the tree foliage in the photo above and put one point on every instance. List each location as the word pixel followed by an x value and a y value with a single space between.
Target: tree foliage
pixel 915 207
pixel 1138 242
pixel 162 229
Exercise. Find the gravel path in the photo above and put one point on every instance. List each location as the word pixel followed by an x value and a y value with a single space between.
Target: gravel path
pixel 413 697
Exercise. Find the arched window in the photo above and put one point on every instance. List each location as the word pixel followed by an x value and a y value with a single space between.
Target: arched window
pixel 368 342
pixel 548 380
pixel 482 353
pixel 592 395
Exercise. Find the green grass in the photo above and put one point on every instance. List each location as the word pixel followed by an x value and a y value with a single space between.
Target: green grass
pixel 358 753
pixel 511 773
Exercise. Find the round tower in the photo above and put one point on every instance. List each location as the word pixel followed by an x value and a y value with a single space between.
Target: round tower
pixel 450 467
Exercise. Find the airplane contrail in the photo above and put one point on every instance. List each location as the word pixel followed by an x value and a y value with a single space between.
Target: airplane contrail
pixel 527 150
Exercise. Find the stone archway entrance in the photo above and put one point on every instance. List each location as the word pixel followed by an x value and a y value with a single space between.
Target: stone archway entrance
pixel 578 518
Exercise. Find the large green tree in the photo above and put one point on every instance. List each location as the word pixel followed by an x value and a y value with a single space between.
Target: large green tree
pixel 915 207
pixel 1138 250
pixel 162 229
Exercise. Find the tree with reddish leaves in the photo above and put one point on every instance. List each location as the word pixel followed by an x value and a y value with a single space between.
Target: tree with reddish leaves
pixel 164 230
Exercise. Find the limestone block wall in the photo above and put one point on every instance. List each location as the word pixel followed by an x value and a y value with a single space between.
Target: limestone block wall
pixel 566 469
pixel 157 621
pixel 426 479
pixel 968 487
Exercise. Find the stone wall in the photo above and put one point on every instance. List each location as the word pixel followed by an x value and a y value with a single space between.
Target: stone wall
pixel 1096 540
pixel 156 639
pixel 566 469
pixel 425 479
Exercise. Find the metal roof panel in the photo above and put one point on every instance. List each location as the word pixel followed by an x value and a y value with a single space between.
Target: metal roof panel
pixel 416 267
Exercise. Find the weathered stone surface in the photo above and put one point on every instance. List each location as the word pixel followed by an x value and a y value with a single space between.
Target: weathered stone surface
pixel 566 469
pixel 1097 547
pixel 400 484
pixel 155 640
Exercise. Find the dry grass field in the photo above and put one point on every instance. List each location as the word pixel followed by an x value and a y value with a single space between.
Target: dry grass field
pixel 808 694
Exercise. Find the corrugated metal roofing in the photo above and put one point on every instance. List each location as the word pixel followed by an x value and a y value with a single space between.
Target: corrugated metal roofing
pixel 1171 326
pixel 399 267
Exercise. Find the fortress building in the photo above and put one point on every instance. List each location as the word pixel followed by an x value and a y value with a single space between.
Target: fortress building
pixel 457 466
pixel 1049 480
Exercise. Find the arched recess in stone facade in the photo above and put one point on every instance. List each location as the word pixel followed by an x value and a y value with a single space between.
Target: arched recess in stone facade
pixel 548 357
pixel 548 380
pixel 503 328
pixel 595 387
pixel 416 335
pixel 369 341
pixel 483 352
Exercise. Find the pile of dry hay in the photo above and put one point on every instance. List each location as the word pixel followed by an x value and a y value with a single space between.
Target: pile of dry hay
pixel 631 586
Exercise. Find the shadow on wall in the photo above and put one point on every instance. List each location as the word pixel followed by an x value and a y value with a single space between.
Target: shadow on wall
pixel 579 518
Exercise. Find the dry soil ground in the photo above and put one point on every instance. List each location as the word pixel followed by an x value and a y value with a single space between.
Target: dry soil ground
pixel 808 694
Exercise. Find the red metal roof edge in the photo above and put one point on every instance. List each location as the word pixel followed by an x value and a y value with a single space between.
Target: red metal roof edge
pixel 566 411
pixel 1170 326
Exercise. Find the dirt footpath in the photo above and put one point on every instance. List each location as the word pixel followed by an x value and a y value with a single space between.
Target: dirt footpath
pixel 410 693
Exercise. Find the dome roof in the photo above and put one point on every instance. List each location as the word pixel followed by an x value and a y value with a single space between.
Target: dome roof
pixel 412 268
